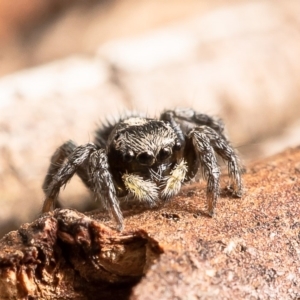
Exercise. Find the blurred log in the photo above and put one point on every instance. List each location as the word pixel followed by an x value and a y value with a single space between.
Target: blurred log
pixel 249 250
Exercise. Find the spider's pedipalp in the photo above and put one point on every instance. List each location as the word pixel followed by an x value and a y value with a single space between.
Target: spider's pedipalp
pixel 174 181
pixel 142 190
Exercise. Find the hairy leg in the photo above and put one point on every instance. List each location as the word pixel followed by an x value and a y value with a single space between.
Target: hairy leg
pixel 209 165
pixel 224 149
pixel 93 167
pixel 188 119
pixel 57 160
pixel 214 129
pixel 207 141
pixel 102 185
pixel 65 162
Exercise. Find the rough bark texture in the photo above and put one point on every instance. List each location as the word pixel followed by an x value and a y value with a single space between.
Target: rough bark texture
pixel 249 250
pixel 66 254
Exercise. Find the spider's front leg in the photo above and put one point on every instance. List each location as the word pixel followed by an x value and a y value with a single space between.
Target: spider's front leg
pixel 103 186
pixel 207 141
pixel 90 163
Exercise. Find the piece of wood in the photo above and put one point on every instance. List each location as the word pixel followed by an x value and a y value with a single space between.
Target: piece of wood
pixel 250 248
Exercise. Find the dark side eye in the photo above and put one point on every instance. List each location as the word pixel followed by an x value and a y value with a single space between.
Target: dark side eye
pixel 163 154
pixel 145 158
pixel 128 156
pixel 177 146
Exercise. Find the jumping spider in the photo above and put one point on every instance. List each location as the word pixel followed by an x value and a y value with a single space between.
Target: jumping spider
pixel 146 158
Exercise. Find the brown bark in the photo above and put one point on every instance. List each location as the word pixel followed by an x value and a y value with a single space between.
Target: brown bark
pixel 251 248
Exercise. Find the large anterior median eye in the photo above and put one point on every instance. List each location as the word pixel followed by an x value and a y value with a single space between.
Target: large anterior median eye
pixel 164 153
pixel 128 156
pixel 145 158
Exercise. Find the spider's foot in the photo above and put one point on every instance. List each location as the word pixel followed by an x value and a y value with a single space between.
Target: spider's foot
pixel 210 212
pixel 120 227
pixel 210 208
pixel 48 205
pixel 235 192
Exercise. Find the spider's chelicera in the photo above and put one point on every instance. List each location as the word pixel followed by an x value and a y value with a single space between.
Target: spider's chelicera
pixel 146 158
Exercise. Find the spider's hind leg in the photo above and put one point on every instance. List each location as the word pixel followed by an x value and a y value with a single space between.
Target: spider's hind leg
pixel 64 163
pixel 224 149
pixel 57 161
pixel 207 141
pixel 209 165
pixel 187 118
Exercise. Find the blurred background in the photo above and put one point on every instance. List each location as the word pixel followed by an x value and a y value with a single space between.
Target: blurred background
pixel 65 66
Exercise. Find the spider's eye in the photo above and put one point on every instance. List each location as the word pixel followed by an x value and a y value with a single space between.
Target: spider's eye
pixel 128 156
pixel 163 154
pixel 145 158
pixel 177 146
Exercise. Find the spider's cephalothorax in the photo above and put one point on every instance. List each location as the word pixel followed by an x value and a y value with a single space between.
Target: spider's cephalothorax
pixel 146 158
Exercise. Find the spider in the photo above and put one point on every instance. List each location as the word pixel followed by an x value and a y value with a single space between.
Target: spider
pixel 146 158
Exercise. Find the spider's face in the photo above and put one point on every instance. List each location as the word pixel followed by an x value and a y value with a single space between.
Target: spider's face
pixel 139 144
